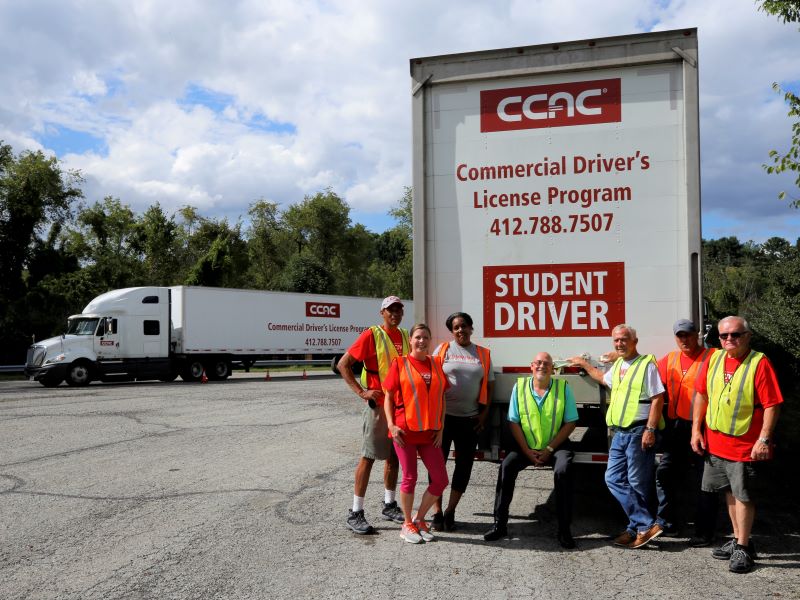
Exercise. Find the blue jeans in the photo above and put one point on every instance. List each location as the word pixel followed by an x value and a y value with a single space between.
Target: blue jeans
pixel 630 477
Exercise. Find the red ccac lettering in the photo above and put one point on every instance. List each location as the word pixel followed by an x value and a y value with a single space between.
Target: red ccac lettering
pixel 553 105
pixel 322 309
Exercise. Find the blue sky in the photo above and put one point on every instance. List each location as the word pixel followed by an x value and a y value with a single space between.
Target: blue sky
pixel 219 104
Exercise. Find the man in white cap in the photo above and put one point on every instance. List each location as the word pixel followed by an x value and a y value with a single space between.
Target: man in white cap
pixel 376 347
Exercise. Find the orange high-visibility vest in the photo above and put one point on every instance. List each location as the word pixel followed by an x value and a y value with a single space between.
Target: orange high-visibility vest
pixel 680 385
pixel 484 357
pixel 422 405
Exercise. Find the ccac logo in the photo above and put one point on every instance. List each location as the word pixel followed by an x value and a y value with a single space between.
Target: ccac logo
pixel 322 309
pixel 553 105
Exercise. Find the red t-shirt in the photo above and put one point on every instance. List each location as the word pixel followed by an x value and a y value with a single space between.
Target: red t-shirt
pixel 767 393
pixel 686 363
pixel 363 349
pixel 392 383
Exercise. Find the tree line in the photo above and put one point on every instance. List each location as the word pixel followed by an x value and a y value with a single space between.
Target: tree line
pixel 57 251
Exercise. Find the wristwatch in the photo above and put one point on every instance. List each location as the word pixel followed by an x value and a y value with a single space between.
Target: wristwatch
pixel 650 429
pixel 764 441
pixel 549 449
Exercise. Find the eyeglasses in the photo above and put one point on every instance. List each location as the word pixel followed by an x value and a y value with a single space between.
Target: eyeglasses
pixel 734 335
pixel 685 334
pixel 541 363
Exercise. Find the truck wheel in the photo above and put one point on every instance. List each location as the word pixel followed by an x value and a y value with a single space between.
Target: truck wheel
pixel 219 369
pixel 79 374
pixel 192 370
pixel 51 382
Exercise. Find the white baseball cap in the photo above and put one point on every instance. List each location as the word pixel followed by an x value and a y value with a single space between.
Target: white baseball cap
pixel 389 300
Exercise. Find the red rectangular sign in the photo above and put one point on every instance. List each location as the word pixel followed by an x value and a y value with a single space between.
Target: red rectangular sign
pixel 567 300
pixel 552 105
pixel 323 309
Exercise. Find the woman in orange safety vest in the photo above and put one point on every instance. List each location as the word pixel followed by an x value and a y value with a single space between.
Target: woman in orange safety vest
pixel 414 406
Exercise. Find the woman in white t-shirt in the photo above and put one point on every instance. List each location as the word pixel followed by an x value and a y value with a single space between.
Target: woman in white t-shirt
pixel 468 368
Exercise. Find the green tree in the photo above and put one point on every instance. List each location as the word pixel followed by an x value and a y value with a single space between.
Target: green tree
pixel 35 194
pixel 106 241
pixel 266 256
pixel 789 12
pixel 158 242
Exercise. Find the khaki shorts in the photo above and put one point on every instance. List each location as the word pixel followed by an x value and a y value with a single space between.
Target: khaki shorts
pixel 721 474
pixel 376 443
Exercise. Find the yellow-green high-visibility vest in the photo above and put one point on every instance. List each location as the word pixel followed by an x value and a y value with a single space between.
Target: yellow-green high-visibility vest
pixel 385 351
pixel 730 405
pixel 540 425
pixel 626 394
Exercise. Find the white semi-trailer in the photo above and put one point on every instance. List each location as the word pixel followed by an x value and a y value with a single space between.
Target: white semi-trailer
pixel 556 195
pixel 159 333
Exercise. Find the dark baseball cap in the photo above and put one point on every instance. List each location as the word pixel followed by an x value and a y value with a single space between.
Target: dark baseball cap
pixel 683 325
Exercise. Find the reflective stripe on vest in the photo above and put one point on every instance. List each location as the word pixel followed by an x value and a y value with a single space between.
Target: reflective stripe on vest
pixel 384 351
pixel 730 405
pixel 422 405
pixel 540 425
pixel 680 385
pixel 484 358
pixel 626 394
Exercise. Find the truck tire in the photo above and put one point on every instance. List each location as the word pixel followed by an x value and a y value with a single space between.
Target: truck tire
pixel 51 382
pixel 192 370
pixel 79 374
pixel 218 369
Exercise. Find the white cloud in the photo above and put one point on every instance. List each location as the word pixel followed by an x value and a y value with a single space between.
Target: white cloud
pixel 335 75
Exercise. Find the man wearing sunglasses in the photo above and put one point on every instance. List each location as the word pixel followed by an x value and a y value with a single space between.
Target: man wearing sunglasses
pixel 739 400
pixel 678 370
pixel 541 415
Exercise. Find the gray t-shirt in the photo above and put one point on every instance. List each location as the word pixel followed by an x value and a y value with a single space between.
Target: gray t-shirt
pixel 464 371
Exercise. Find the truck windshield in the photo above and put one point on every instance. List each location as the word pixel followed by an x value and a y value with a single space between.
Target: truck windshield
pixel 81 326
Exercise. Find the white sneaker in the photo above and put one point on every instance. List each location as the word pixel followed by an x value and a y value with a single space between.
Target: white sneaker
pixel 410 533
pixel 424 531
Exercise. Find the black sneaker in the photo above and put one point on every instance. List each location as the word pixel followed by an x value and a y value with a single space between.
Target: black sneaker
pixel 701 541
pixel 357 522
pixel 566 540
pixel 725 551
pixel 437 522
pixel 741 561
pixel 449 521
pixel 498 530
pixel 392 512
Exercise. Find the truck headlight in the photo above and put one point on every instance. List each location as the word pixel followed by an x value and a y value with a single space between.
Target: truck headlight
pixel 55 359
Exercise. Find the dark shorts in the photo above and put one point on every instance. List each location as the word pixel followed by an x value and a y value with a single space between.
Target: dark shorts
pixel 375 443
pixel 721 474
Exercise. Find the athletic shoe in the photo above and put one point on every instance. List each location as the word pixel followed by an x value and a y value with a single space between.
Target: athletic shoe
pixel 392 512
pixel 437 522
pixel 410 533
pixel 725 551
pixel 701 541
pixel 741 561
pixel 566 540
pixel 645 537
pixel 424 531
pixel 357 522
pixel 624 539
pixel 498 530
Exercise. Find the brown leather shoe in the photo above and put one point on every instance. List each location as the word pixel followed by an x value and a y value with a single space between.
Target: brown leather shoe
pixel 644 537
pixel 625 539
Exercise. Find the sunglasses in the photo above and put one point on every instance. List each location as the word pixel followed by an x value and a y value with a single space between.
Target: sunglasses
pixel 734 335
pixel 541 363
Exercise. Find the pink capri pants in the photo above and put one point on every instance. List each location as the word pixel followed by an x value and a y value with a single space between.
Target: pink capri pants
pixel 432 458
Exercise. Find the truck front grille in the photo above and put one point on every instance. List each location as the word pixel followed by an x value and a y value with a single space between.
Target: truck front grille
pixel 35 356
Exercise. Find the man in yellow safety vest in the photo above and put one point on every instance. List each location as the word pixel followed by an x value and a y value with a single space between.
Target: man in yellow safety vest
pixel 541 415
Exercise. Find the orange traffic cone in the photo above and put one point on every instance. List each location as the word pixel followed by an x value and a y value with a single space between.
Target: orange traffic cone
pixel 267 377
pixel 203 378
pixel 304 374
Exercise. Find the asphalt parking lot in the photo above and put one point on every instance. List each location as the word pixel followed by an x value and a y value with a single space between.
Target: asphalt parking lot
pixel 239 489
